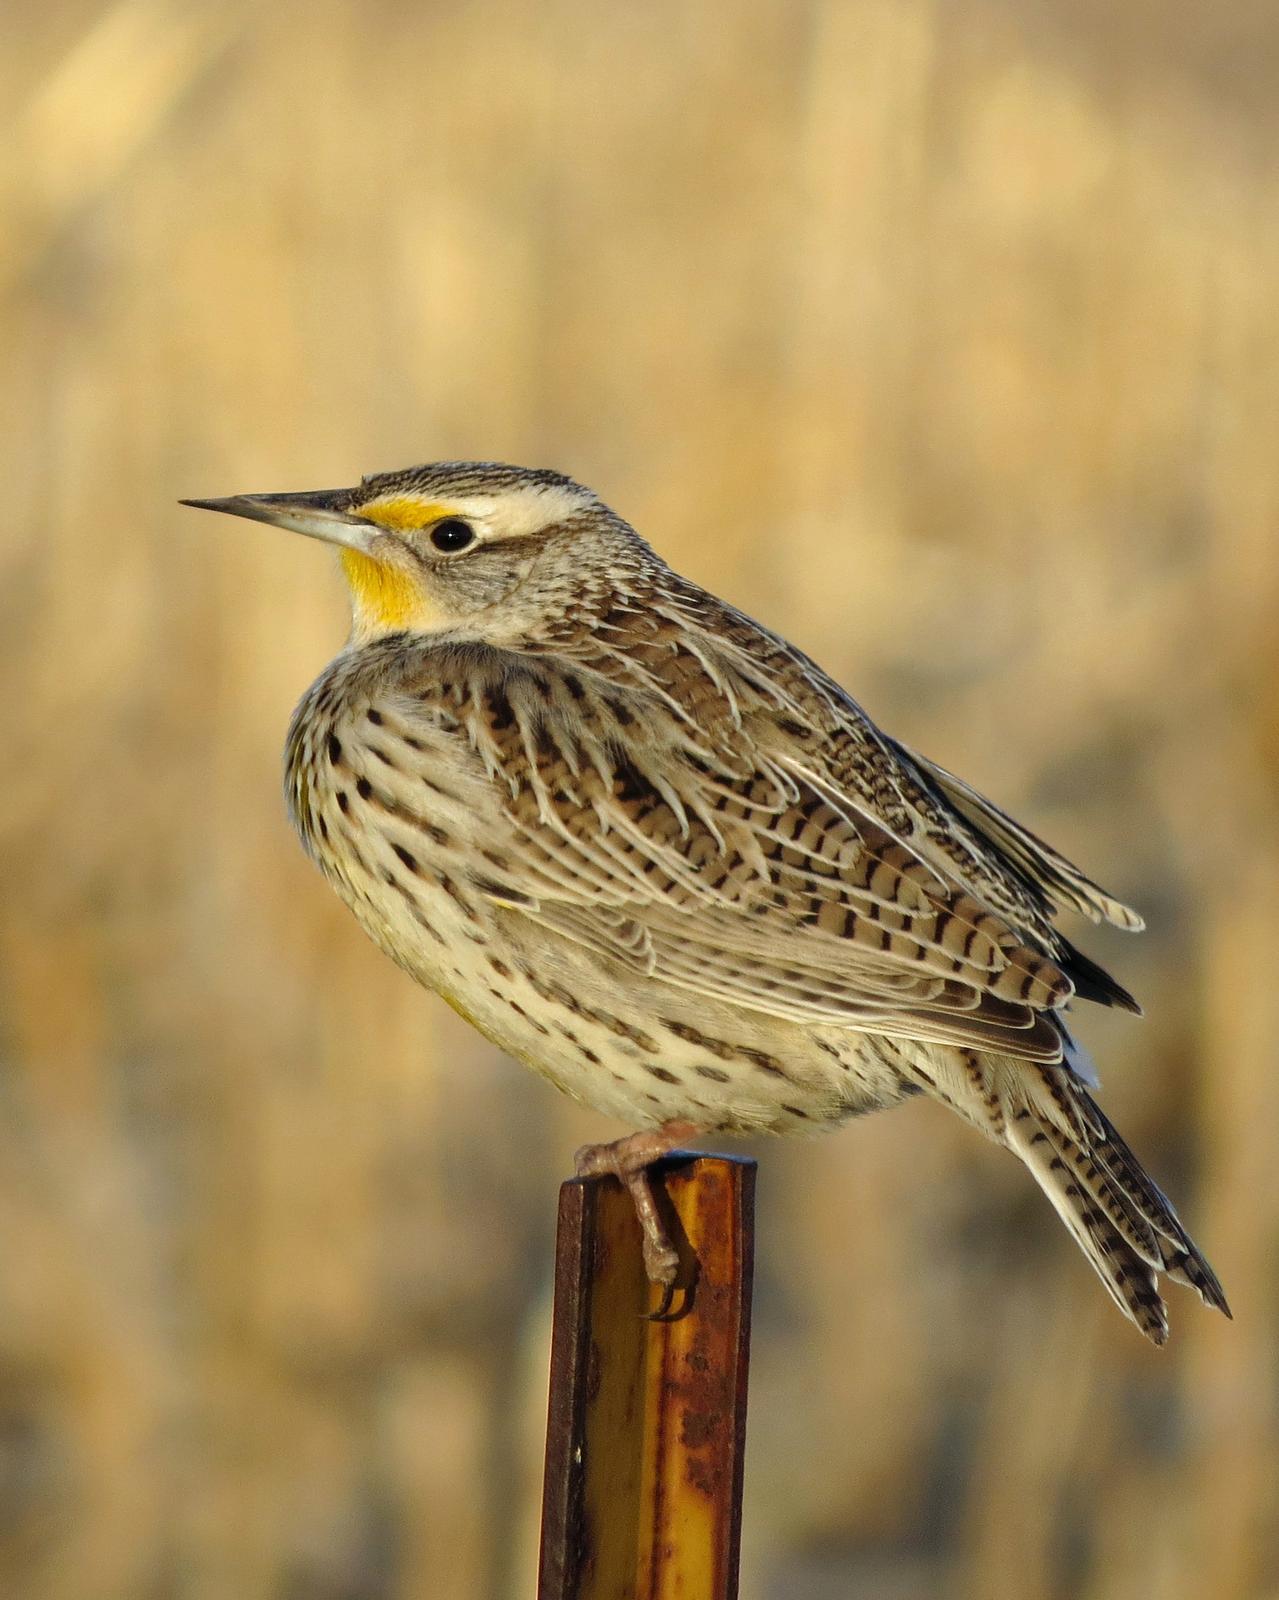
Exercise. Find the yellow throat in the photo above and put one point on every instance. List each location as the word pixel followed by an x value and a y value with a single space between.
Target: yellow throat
pixel 385 597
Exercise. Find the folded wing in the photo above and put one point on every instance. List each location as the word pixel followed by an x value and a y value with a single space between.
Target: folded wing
pixel 749 877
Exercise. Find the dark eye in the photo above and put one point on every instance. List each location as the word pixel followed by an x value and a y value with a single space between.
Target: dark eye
pixel 452 534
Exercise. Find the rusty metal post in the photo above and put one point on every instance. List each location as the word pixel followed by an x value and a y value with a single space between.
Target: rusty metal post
pixel 647 1419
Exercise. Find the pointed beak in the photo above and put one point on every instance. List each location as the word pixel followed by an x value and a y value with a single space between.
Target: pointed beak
pixel 316 515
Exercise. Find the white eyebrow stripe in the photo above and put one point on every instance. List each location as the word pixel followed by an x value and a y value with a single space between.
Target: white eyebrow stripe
pixel 511 514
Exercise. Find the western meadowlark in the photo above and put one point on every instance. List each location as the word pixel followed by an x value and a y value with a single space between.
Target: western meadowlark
pixel 651 849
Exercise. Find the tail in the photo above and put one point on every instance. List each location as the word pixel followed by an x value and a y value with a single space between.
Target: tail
pixel 1118 1216
pixel 1116 1213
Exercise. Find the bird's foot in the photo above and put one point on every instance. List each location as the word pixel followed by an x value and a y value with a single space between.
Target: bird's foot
pixel 628 1160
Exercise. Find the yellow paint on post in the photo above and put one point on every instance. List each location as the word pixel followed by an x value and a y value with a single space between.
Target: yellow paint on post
pixel 687 1483
pixel 645 1437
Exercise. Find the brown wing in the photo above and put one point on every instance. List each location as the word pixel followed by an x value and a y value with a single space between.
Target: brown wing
pixel 683 849
pixel 1059 880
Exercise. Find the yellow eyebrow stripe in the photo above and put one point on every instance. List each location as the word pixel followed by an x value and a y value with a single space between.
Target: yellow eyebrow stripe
pixel 402 513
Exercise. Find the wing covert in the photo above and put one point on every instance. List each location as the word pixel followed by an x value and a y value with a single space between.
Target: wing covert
pixel 748 877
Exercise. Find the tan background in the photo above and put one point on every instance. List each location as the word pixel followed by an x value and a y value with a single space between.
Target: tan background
pixel 944 337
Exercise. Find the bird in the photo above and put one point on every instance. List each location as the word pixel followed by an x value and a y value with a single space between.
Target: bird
pixel 652 850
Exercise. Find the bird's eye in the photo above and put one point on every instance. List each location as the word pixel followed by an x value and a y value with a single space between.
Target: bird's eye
pixel 452 534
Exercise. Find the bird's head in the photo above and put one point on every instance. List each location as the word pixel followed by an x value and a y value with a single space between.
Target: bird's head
pixel 471 546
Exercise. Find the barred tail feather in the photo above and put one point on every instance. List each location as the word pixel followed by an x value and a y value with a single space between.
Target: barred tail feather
pixel 1059 1169
pixel 1181 1259
pixel 1114 1210
pixel 1117 1215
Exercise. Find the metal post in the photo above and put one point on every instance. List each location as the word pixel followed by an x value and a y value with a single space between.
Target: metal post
pixel 646 1426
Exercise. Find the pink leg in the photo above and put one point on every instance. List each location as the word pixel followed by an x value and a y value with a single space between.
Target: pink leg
pixel 628 1160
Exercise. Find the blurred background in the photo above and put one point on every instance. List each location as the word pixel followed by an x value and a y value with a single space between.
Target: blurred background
pixel 942 337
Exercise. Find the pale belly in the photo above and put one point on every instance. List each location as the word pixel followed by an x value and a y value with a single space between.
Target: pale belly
pixel 638 1050
pixel 412 858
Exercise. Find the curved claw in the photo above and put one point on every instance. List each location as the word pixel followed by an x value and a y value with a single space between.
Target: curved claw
pixel 663 1312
